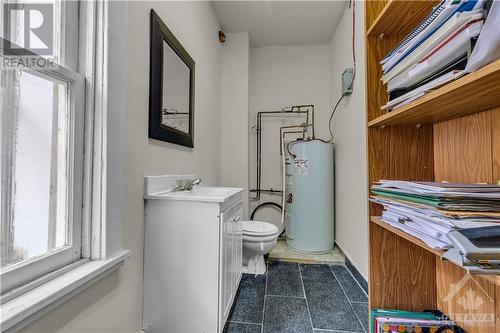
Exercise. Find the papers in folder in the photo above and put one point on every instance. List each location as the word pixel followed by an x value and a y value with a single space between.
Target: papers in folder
pixel 457 37
pixel 418 92
pixel 453 47
pixel 444 38
pixel 429 210
pixel 428 27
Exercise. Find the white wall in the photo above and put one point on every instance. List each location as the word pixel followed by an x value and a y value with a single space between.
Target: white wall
pixel 349 130
pixel 234 113
pixel 114 304
pixel 282 76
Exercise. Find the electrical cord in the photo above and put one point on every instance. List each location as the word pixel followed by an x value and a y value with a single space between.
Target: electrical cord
pixel 331 117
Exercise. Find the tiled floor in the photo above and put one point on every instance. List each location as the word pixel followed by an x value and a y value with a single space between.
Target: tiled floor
pixel 299 298
pixel 282 252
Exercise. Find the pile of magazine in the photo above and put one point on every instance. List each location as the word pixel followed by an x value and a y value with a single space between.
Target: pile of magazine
pixel 429 211
pixel 435 52
pixel 399 321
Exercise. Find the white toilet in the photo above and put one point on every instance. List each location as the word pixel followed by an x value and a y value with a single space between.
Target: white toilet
pixel 259 238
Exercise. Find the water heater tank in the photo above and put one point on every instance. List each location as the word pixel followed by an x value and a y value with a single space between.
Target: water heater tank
pixel 309 198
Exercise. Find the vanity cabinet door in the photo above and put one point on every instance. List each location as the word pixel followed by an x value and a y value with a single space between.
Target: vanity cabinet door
pixel 238 248
pixel 231 249
pixel 226 262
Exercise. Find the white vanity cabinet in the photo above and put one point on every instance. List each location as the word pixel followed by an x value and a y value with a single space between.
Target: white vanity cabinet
pixel 192 259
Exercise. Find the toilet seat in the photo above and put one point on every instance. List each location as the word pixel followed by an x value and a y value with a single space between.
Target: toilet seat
pixel 258 229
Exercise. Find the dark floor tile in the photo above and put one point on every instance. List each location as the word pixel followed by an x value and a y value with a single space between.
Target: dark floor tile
pixel 242 328
pixel 357 275
pixel 284 279
pixel 286 315
pixel 361 310
pixel 351 287
pixel 328 305
pixel 249 301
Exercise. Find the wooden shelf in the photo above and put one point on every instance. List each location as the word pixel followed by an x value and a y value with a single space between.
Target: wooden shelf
pixel 377 220
pixel 400 17
pixel 475 92
pixel 459 142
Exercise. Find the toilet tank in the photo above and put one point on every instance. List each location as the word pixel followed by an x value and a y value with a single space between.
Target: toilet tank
pixel 309 197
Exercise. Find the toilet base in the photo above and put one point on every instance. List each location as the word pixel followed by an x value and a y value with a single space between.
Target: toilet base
pixel 255 265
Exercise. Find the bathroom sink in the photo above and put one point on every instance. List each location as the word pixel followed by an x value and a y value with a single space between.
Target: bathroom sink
pixel 199 193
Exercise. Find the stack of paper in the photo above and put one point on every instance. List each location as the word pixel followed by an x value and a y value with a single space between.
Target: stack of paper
pixel 429 210
pixel 434 53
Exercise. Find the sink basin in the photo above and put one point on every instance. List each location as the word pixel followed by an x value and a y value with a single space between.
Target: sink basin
pixel 199 193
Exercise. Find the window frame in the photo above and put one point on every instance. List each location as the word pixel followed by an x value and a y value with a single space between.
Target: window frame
pixel 23 276
pixel 102 252
pixel 28 270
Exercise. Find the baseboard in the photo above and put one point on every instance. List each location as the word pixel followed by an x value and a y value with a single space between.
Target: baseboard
pixel 357 275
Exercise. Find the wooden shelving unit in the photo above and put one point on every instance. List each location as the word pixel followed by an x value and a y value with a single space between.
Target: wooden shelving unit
pixel 400 16
pixel 458 140
pixel 450 101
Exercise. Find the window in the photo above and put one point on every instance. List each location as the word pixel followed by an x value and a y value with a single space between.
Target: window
pixel 42 137
pixel 53 148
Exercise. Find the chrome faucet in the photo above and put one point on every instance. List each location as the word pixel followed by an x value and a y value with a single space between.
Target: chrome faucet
pixel 186 185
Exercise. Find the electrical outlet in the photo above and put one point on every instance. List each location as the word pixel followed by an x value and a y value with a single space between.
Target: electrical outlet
pixel 347 82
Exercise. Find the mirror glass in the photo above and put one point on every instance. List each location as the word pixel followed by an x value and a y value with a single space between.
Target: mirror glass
pixel 176 75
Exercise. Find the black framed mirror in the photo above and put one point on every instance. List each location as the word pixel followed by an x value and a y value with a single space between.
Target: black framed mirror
pixel 171 87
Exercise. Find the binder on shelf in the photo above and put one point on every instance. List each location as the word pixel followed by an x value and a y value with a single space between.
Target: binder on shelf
pixel 398 86
pixel 417 30
pixel 414 93
pixel 433 69
pixel 440 55
pixel 456 23
pixel 428 27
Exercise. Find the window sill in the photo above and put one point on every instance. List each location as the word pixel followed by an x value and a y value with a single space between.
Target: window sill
pixel 24 309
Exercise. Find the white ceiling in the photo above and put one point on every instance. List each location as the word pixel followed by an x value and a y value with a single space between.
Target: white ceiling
pixel 280 22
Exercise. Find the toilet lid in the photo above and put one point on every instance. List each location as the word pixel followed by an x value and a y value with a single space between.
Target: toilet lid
pixel 257 228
